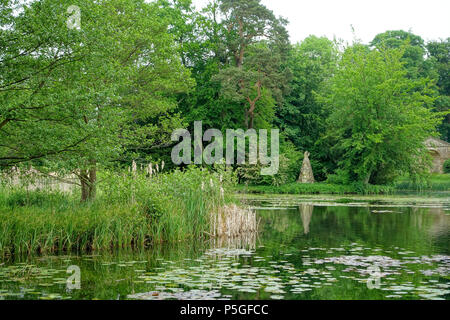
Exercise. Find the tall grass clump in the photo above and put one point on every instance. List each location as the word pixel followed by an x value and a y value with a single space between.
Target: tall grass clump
pixel 36 230
pixel 133 209
pixel 231 221
pixel 177 205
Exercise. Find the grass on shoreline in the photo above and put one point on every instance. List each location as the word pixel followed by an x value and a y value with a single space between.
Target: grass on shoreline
pixel 436 182
pixel 316 188
pixel 131 210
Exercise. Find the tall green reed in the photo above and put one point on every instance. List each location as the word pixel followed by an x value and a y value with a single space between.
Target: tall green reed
pixel 133 209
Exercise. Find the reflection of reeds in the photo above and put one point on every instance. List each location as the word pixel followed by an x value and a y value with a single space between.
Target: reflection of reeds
pixel 244 241
pixel 226 247
pixel 233 221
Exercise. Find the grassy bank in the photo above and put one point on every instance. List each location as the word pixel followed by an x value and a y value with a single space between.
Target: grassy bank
pixel 316 188
pixel 436 182
pixel 131 210
pixel 433 183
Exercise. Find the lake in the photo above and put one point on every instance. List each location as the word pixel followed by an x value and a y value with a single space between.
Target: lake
pixel 308 247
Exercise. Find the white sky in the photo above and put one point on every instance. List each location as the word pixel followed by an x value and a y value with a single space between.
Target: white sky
pixel 429 19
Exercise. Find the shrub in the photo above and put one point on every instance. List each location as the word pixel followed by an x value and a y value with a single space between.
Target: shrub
pixel 340 177
pixel 288 171
pixel 447 166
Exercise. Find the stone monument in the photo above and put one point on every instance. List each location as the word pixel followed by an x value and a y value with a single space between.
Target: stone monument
pixel 306 174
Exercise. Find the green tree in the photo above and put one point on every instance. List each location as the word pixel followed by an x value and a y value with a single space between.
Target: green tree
pixel 76 98
pixel 439 52
pixel 422 60
pixel 37 66
pixel 302 118
pixel 378 119
pixel 256 44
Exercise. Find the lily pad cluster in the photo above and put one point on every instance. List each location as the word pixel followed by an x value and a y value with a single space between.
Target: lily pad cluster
pixel 238 271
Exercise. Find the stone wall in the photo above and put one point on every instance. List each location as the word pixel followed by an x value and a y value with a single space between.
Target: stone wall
pixel 440 152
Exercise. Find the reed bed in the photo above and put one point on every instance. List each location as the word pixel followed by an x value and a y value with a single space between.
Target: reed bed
pixel 133 209
pixel 34 230
pixel 233 221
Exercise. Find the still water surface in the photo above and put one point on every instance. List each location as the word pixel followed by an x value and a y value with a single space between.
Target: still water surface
pixel 307 248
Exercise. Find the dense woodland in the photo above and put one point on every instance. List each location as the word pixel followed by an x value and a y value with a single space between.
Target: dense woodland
pixel 113 90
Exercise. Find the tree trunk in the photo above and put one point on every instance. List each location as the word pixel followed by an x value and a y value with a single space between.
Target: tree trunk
pixel 367 179
pixel 88 180
pixel 93 181
pixel 250 116
pixel 246 122
pixel 250 113
pixel 84 180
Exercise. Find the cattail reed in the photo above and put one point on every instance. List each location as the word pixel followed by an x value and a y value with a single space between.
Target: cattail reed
pixel 233 221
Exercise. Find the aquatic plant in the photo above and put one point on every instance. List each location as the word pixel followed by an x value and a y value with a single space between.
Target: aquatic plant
pixel 233 221
pixel 133 209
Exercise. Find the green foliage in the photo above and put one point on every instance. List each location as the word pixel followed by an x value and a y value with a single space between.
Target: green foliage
pixel 379 118
pixel 97 93
pixel 447 166
pixel 256 42
pixel 255 82
pixel 439 52
pixel 413 55
pixel 339 177
pixel 418 65
pixel 112 91
pixel 302 118
pixel 38 198
pixel 318 188
pixel 178 204
pixel 312 63
pixel 132 210
pixel 434 182
pixel 290 161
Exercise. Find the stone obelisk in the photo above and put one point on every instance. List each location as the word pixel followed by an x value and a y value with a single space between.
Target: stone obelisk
pixel 306 174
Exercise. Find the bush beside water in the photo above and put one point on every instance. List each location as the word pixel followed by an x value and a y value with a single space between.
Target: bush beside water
pixel 447 166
